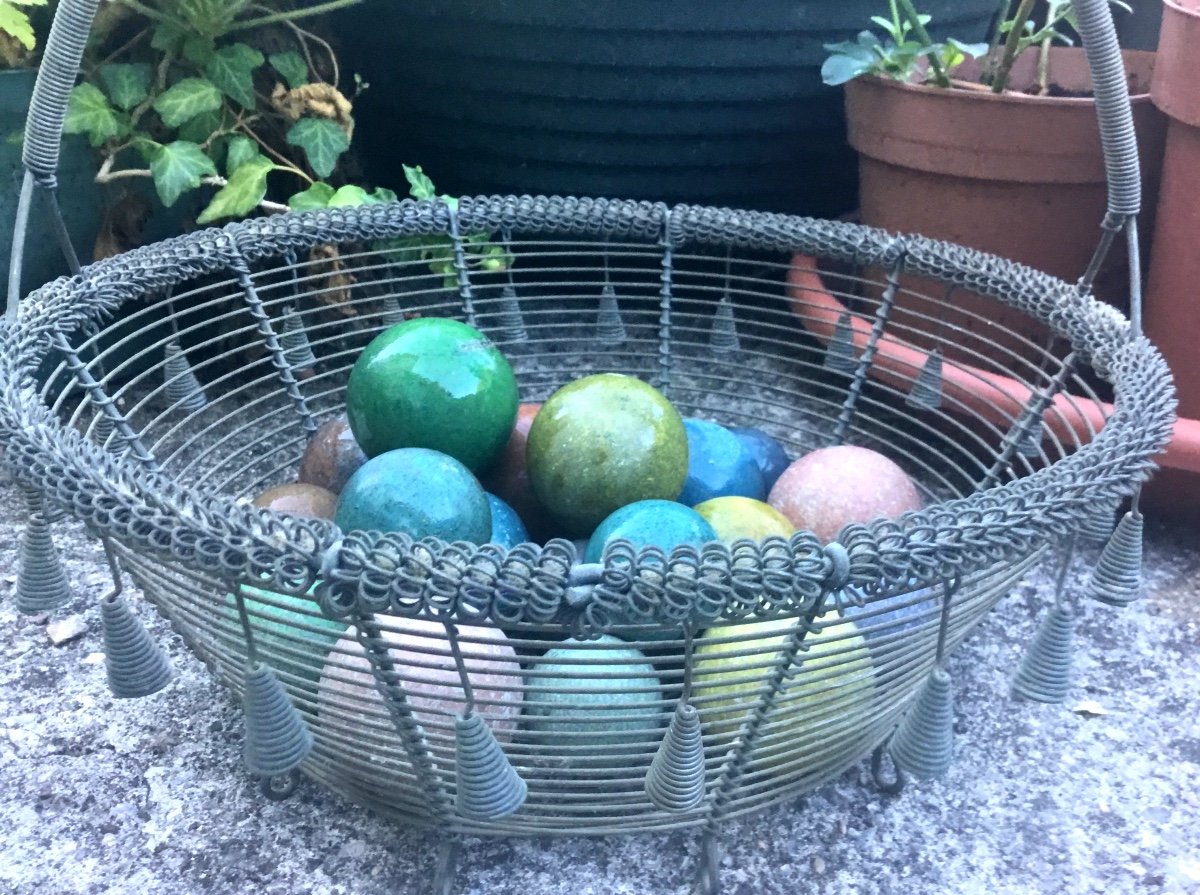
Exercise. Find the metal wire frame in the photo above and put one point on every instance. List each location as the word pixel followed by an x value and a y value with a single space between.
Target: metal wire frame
pixel 251 433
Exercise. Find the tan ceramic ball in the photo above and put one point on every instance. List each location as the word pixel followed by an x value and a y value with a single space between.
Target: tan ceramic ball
pixel 347 697
pixel 298 499
pixel 828 489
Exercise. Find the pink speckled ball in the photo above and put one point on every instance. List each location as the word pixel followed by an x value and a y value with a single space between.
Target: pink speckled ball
pixel 347 698
pixel 828 489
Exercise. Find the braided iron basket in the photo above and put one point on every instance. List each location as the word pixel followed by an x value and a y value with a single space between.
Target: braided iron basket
pixel 189 375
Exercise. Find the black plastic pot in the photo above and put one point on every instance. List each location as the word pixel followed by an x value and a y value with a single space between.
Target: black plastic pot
pixel 708 101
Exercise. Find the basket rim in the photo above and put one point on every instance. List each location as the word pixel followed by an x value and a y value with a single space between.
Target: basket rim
pixel 358 570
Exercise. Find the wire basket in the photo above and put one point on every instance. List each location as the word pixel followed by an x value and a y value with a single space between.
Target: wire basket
pixel 417 677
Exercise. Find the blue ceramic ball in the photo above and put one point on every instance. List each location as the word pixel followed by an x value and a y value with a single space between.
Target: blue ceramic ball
pixel 507 528
pixel 882 622
pixel 600 692
pixel 768 453
pixel 419 492
pixel 651 523
pixel 719 465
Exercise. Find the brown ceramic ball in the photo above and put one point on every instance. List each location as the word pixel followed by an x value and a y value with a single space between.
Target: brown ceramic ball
pixel 299 499
pixel 828 489
pixel 347 696
pixel 332 456
pixel 508 479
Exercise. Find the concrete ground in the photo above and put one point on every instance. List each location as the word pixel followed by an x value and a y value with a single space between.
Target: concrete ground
pixel 1099 795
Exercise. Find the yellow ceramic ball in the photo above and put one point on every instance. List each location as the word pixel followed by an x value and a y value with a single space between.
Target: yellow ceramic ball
pixel 741 517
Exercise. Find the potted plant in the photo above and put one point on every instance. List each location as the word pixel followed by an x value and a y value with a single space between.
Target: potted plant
pixel 706 101
pixel 994 146
pixel 23 26
pixel 1172 312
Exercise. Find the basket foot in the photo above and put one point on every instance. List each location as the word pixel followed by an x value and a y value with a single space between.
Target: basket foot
pixel 708 880
pixel 447 867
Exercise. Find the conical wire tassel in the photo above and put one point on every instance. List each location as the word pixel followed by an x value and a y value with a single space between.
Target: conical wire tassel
pixel 675 781
pixel 1099 526
pixel 183 388
pixel 723 338
pixel 487 786
pixel 294 342
pixel 136 666
pixel 926 391
pixel 610 328
pixel 391 311
pixel 1117 579
pixel 511 323
pixel 1045 672
pixel 41 581
pixel 923 744
pixel 277 739
pixel 102 430
pixel 36 504
pixel 839 353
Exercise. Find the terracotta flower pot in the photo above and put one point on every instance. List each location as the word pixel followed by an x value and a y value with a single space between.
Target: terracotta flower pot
pixel 1172 313
pixel 1017 175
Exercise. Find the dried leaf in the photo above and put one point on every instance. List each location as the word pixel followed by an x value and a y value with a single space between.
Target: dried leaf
pixel 337 288
pixel 321 100
pixel 1090 708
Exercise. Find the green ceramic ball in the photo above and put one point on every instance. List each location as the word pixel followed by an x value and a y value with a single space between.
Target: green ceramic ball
pixel 619 705
pixel 602 442
pixel 434 383
pixel 290 632
pixel 821 712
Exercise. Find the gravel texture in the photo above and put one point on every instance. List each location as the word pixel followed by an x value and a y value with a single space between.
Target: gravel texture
pixel 148 796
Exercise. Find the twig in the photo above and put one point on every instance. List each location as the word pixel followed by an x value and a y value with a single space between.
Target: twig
pixel 288 15
pixel 107 175
pixel 283 159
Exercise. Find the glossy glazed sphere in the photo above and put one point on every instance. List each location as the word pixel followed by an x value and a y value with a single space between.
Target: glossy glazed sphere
pixel 298 499
pixel 508 478
pixel 651 523
pixel 740 517
pixel 719 465
pixel 290 632
pixel 767 452
pixel 419 492
pixel 835 681
pixel 332 456
pixel 828 489
pixel 507 529
pixel 348 699
pixel 608 711
pixel 433 383
pixel 602 442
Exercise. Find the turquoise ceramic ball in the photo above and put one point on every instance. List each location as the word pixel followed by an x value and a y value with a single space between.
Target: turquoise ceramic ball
pixel 820 714
pixel 433 383
pixel 419 492
pixel 593 693
pixel 602 442
pixel 507 528
pixel 768 453
pixel 290 632
pixel 719 465
pixel 651 523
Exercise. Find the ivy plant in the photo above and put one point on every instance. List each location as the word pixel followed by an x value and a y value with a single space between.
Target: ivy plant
pixel 17 39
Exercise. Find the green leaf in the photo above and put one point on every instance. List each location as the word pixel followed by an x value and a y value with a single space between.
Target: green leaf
pixel 167 37
pixel 88 112
pixel 241 195
pixel 127 83
pixel 178 167
pixel 291 67
pixel 201 128
pixel 185 100
pixel 241 150
pixel 16 24
pixel 198 50
pixel 383 194
pixel 232 69
pixel 348 196
pixel 972 50
pixel 842 67
pixel 316 196
pixel 419 184
pixel 322 140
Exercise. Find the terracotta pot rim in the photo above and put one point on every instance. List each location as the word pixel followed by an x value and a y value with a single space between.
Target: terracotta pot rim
pixel 1009 97
pixel 1173 87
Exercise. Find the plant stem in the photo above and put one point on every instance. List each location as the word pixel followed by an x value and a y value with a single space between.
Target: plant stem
pixel 1004 66
pixel 989 65
pixel 107 175
pixel 1043 68
pixel 939 76
pixel 289 15
pixel 154 15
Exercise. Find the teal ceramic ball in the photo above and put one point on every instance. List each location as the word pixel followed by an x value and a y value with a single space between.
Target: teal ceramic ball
pixel 719 465
pixel 651 523
pixel 419 492
pixel 596 693
pixel 433 383
pixel 602 442
pixel 290 632
pixel 507 528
